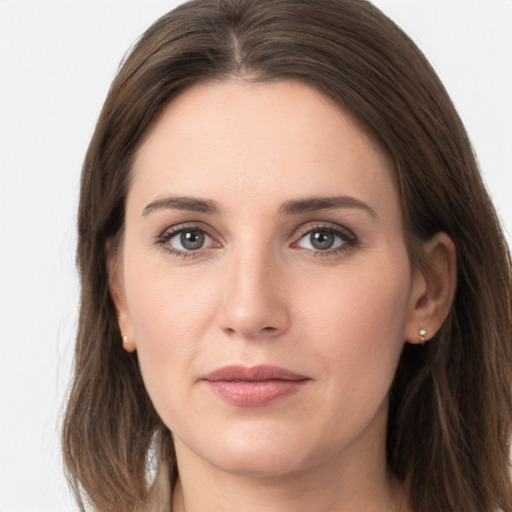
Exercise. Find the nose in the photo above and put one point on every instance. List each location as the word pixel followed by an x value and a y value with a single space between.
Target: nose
pixel 254 303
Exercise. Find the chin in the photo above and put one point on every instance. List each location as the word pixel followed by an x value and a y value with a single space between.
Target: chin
pixel 263 454
pixel 259 464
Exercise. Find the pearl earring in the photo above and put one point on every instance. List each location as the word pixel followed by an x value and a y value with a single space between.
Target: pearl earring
pixel 422 333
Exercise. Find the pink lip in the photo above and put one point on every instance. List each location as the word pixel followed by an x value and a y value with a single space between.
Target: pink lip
pixel 255 386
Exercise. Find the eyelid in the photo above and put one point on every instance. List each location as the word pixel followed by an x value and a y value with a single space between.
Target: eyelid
pixel 349 238
pixel 328 226
pixel 200 226
pixel 170 231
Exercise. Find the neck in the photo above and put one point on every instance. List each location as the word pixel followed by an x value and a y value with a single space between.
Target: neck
pixel 291 496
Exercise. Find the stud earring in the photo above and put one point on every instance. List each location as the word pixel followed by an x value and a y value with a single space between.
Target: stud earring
pixel 422 333
pixel 128 345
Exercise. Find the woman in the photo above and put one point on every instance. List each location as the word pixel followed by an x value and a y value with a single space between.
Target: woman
pixel 295 289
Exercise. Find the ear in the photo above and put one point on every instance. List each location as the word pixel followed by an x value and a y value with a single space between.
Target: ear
pixel 433 289
pixel 117 292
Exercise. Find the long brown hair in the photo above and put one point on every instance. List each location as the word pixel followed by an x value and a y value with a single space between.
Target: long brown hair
pixel 450 404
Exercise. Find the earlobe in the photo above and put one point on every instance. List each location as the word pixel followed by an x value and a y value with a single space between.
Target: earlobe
pixel 433 289
pixel 118 298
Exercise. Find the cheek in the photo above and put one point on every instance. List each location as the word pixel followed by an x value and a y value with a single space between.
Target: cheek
pixel 169 312
pixel 165 303
pixel 368 301
pixel 357 322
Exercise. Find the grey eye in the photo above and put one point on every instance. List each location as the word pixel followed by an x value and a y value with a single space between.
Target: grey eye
pixel 192 240
pixel 321 240
pixel 189 240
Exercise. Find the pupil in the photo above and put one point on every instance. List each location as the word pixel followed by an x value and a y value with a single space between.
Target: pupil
pixel 192 240
pixel 322 240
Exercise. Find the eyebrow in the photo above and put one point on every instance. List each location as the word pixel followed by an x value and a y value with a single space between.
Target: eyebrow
pixel 291 207
pixel 312 204
pixel 192 204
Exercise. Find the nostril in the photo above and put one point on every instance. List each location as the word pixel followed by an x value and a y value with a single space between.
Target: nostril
pixel 261 331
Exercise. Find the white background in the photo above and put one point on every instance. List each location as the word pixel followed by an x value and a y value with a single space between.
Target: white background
pixel 57 59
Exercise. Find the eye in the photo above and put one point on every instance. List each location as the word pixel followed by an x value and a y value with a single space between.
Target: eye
pixel 326 239
pixel 186 240
pixel 321 240
pixel 189 240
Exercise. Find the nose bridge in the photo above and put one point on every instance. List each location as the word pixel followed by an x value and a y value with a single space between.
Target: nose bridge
pixel 254 302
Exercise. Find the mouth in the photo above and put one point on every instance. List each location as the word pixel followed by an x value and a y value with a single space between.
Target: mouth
pixel 253 386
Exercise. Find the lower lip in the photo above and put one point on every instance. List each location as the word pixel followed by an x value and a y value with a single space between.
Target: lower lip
pixel 255 393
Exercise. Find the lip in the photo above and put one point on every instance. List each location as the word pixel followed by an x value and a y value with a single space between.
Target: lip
pixel 254 386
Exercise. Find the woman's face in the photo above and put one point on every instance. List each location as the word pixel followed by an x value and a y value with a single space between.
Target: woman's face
pixel 264 279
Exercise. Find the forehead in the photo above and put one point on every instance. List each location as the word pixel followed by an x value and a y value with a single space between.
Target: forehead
pixel 253 141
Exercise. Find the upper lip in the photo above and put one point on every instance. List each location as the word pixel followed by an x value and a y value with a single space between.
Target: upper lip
pixel 252 374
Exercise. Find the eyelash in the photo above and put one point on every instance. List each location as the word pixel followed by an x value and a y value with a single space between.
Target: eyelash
pixel 164 238
pixel 348 239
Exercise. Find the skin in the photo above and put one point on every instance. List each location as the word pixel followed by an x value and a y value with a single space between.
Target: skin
pixel 259 292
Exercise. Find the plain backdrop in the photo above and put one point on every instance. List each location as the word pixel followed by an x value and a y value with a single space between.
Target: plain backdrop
pixel 57 59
